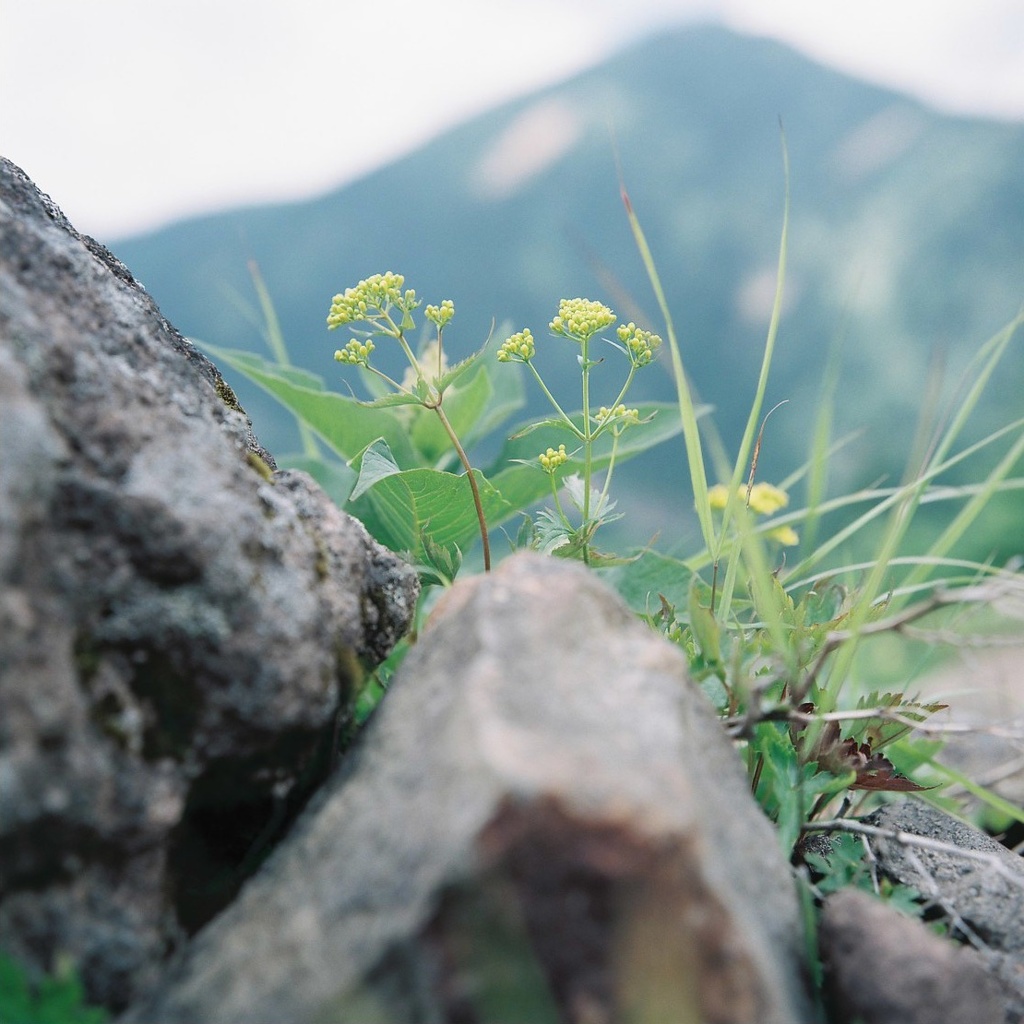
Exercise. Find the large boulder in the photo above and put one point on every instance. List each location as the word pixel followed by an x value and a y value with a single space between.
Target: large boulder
pixel 179 623
pixel 543 822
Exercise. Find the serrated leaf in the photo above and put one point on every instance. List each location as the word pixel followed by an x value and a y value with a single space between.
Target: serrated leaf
pixel 393 398
pixel 455 373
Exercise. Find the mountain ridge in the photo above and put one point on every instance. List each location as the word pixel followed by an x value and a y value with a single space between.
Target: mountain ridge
pixel 898 236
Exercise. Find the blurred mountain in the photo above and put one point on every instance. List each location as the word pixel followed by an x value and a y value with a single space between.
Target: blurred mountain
pixel 906 244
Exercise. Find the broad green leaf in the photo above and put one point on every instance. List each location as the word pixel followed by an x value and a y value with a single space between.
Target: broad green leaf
pixel 251 362
pixel 345 424
pixel 523 483
pixel 506 397
pixel 400 508
pixel 643 582
pixel 375 464
pixel 526 442
pixel 463 405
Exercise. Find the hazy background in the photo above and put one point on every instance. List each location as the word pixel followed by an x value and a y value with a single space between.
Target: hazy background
pixel 133 113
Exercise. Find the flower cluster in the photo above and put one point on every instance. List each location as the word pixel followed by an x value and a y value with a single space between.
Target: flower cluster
pixel 765 499
pixel 640 344
pixel 368 298
pixel 355 352
pixel 552 458
pixel 581 319
pixel 518 349
pixel 441 315
pixel 620 412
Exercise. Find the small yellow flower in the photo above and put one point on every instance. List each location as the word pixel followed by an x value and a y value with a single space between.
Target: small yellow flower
pixel 766 499
pixel 519 348
pixel 581 319
pixel 784 535
pixel 640 345
pixel 370 296
pixel 440 315
pixel 552 459
pixel 718 497
pixel 355 352
pixel 620 412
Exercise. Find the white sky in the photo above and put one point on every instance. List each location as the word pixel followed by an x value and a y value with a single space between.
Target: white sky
pixel 131 113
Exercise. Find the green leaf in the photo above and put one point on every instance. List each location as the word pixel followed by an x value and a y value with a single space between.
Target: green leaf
pixel 653 574
pixel 529 439
pixel 553 422
pixel 463 405
pixel 392 399
pixel 375 464
pixel 345 424
pixel 507 396
pixel 401 507
pixel 705 628
pixel 455 373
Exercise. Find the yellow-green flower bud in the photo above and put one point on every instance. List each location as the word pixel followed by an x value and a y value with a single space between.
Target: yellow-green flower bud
pixel 552 458
pixel 581 319
pixel 371 296
pixel 620 412
pixel 440 315
pixel 640 344
pixel 519 348
pixel 356 352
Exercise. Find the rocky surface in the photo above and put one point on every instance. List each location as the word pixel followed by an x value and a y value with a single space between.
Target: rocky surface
pixel 980 892
pixel 886 968
pixel 179 623
pixel 543 822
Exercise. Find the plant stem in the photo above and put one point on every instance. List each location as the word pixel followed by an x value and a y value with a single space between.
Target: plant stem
pixel 464 459
pixel 551 398
pixel 587 443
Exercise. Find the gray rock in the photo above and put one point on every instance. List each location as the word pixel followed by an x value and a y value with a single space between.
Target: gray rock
pixel 543 822
pixel 886 968
pixel 983 898
pixel 179 624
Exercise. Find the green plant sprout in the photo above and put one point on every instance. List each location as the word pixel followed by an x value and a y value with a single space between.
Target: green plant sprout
pixel 58 998
pixel 581 321
pixel 372 302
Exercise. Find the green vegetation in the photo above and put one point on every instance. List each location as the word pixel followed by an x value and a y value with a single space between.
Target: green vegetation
pixel 776 641
pixel 57 999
